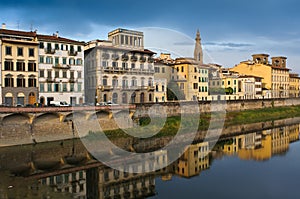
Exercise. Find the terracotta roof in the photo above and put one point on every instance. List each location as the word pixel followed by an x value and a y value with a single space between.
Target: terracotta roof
pixel 245 76
pixel 55 38
pixel 145 51
pixel 18 33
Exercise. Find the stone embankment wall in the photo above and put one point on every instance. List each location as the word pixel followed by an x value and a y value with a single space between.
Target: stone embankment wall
pixel 18 129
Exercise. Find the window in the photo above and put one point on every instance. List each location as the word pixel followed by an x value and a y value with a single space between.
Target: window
pixel 182 68
pixel 56 47
pixel 181 86
pixel 42 87
pixel 41 45
pixel 124 65
pixel 72 74
pixel 31 66
pixel 79 87
pixel 49 73
pixel 156 69
pixel 20 66
pixel 64 60
pixel 56 59
pixel 156 88
pixel 71 61
pixel 79 48
pixel 56 87
pixel 64 74
pixel 8 50
pixel 72 87
pixel 162 88
pixel 114 64
pixel 142 66
pixel 79 62
pixel 41 59
pixel 64 87
pixel 195 85
pixel 234 82
pixel 163 70
pixel 133 65
pixel 31 52
pixel 20 81
pixel 61 47
pixel 104 63
pixel 8 65
pixel 20 51
pixel 49 60
pixel 49 87
pixel 9 81
pixel 42 73
pixel 56 74
pixel 79 74
pixel 104 81
pixel 31 82
pixel 228 82
pixel 115 82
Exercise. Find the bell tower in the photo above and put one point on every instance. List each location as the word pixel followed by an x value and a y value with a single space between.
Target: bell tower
pixel 198 53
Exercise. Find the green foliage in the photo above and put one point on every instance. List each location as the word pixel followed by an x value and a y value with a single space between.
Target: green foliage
pixel 228 91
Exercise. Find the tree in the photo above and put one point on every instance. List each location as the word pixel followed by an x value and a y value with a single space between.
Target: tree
pixel 173 92
pixel 229 91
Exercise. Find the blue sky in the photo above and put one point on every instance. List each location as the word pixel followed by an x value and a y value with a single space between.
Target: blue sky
pixel 231 30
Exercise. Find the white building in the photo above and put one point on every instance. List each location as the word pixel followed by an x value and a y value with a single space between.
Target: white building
pixel 61 73
pixel 250 87
pixel 120 69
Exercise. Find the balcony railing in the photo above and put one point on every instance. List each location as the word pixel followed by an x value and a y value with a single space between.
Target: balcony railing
pixel 72 53
pixel 60 66
pixel 72 80
pixel 49 79
pixel 49 50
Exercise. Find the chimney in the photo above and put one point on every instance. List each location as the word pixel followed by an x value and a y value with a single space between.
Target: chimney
pixel 56 34
pixel 3 26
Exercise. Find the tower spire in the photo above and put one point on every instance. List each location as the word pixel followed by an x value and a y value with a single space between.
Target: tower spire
pixel 198 53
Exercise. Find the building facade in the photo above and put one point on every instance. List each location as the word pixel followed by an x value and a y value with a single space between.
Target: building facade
pixel 294 85
pixel 119 70
pixel 275 76
pixel 61 72
pixel 19 68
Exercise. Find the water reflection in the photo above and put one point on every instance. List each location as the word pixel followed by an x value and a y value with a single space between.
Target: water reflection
pixel 66 169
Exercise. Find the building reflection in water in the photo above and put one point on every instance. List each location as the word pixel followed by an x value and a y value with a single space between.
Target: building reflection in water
pixel 101 182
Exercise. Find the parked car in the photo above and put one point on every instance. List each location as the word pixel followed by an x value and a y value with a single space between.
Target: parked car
pixel 109 103
pixel 29 106
pixel 101 104
pixel 19 105
pixel 59 103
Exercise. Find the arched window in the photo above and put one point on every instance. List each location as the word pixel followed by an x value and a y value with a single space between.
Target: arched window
pixel 124 98
pixel 115 98
pixel 142 98
pixel 104 98
pixel 150 97
pixel 115 81
pixel 133 97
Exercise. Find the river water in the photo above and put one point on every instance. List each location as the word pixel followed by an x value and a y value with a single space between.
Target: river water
pixel 260 164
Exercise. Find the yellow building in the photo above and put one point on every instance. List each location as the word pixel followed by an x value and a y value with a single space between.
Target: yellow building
pixel 19 68
pixel 192 78
pixel 193 161
pixel 230 84
pixel 275 76
pixel 294 85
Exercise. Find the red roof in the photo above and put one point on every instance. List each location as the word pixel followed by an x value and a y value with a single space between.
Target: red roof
pixel 18 33
pixel 55 38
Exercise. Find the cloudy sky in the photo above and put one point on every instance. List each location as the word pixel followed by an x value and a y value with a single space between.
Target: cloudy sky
pixel 231 30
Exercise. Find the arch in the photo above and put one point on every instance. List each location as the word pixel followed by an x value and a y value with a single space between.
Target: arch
pixel 21 98
pixel 124 98
pixel 12 118
pixel 104 97
pixel 8 99
pixel 133 95
pixel 150 97
pixel 42 100
pixel 115 98
pixel 31 98
pixel 142 98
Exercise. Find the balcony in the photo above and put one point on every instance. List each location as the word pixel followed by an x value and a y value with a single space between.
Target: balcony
pixel 60 66
pixel 49 51
pixel 106 88
pixel 133 58
pixel 125 57
pixel 72 53
pixel 150 88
